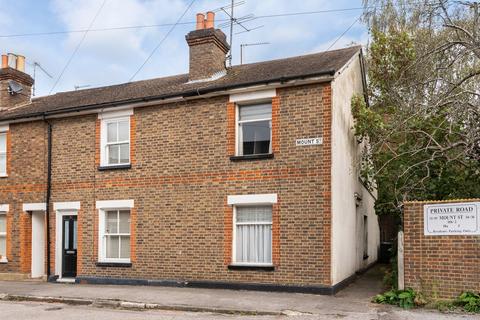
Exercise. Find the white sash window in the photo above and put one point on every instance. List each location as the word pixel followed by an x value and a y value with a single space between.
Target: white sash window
pixel 115 138
pixel 3 237
pixel 3 153
pixel 254 129
pixel 253 235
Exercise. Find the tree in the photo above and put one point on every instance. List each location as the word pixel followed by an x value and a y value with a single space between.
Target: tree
pixel 423 118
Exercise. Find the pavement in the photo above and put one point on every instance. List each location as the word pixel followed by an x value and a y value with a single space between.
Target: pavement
pixel 180 303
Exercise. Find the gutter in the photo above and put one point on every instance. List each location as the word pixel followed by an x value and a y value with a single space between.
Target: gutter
pixel 184 94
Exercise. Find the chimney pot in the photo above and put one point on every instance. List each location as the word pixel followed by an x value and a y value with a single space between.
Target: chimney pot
pixel 4 61
pixel 20 65
pixel 210 23
pixel 200 21
pixel 12 60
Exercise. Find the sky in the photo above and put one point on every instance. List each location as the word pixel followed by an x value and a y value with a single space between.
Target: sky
pixel 112 57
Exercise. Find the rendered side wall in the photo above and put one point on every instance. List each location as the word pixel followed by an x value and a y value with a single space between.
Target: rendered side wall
pixel 347 218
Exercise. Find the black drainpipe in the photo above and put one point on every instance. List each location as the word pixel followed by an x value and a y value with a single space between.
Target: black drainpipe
pixel 49 189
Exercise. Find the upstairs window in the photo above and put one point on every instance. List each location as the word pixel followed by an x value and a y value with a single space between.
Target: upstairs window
pixel 115 141
pixel 254 129
pixel 3 154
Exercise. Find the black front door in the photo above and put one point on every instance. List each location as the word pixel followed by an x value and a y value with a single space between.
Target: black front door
pixel 69 251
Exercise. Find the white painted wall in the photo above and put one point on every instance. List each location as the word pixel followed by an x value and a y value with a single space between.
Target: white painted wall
pixel 38 244
pixel 347 218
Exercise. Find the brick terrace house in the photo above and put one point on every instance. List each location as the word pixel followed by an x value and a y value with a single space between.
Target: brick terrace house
pixel 240 177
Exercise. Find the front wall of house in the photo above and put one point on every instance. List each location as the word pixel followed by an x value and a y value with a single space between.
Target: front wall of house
pixel 180 178
pixel 25 183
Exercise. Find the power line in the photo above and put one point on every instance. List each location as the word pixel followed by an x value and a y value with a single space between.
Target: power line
pixel 171 24
pixel 344 32
pixel 161 41
pixel 279 15
pixel 78 47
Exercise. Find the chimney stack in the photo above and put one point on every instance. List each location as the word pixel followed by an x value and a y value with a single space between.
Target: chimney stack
pixel 15 84
pixel 208 49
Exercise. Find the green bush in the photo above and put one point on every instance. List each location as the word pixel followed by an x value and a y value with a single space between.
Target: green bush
pixel 469 301
pixel 401 298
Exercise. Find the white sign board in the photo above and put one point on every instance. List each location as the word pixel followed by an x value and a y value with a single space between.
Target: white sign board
pixel 309 142
pixel 452 219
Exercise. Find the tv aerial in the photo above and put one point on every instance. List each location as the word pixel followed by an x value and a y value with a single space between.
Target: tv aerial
pixel 243 45
pixel 234 21
pixel 81 86
pixel 35 66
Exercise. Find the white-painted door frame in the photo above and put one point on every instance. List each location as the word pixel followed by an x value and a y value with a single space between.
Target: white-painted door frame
pixel 59 237
pixel 38 244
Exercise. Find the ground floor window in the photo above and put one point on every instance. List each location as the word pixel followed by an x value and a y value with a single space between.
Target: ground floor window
pixel 116 235
pixel 3 236
pixel 253 235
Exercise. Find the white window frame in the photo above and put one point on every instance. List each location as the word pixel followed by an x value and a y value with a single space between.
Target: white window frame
pixel 238 138
pixel 103 207
pixel 253 200
pixel 4 132
pixel 234 236
pixel 4 211
pixel 113 117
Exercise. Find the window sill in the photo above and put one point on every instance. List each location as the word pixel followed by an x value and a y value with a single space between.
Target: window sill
pixel 252 157
pixel 116 167
pixel 114 264
pixel 3 260
pixel 3 176
pixel 251 267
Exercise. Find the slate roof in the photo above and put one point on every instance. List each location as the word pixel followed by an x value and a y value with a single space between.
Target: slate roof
pixel 323 63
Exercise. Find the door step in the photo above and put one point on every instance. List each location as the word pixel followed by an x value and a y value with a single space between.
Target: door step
pixel 66 280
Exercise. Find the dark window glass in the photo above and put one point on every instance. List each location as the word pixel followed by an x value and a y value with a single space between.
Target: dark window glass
pixel 255 129
pixel 256 137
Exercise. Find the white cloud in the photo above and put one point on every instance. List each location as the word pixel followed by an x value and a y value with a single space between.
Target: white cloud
pixel 105 56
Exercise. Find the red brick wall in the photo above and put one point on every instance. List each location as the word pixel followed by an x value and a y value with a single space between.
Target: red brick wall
pixel 26 182
pixel 231 128
pixel 439 266
pixel 180 179
pixel 25 242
